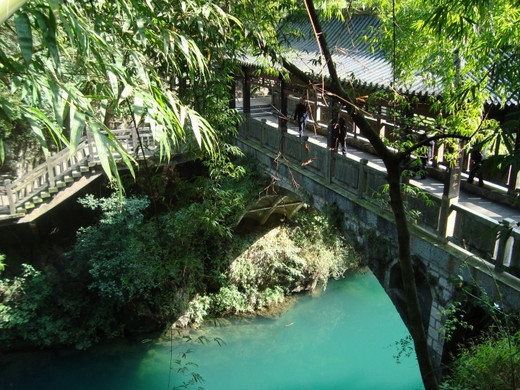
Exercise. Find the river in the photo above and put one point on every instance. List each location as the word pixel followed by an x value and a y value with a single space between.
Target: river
pixel 347 337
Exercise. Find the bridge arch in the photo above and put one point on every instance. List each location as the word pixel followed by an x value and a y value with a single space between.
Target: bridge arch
pixel 379 253
pixel 395 290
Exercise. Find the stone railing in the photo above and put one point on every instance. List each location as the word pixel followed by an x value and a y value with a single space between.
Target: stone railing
pixel 496 242
pixel 22 194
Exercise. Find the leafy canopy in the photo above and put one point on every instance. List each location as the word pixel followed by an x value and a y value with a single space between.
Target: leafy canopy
pixel 68 66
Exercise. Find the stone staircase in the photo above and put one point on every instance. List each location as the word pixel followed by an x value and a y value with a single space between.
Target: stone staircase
pixel 62 173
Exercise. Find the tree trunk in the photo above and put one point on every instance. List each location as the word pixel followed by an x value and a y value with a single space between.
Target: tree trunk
pixel 413 306
pixel 392 163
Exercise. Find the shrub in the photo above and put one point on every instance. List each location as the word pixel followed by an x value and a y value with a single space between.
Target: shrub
pixel 494 363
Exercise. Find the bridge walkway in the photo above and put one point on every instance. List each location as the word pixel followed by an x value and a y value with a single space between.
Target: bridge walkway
pixel 261 110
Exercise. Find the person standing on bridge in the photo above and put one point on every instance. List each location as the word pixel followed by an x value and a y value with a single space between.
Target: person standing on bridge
pixel 337 134
pixel 301 113
pixel 342 135
pixel 476 161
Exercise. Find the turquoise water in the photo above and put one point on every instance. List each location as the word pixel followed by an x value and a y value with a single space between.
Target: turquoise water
pixel 345 338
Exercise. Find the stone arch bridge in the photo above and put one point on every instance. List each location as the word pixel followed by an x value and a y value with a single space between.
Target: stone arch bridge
pixel 448 245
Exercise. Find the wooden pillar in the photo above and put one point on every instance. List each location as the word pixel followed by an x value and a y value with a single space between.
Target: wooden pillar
pixel 50 173
pixel 381 126
pixel 450 196
pixel 247 92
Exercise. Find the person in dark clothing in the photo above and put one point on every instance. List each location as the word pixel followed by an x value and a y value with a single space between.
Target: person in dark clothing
pixel 476 169
pixel 301 113
pixel 342 135
pixel 337 133
pixel 332 135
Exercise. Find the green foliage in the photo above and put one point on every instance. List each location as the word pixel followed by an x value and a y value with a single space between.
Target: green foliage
pixel 109 282
pixel 404 348
pixel 454 316
pixel 298 256
pixel 465 49
pixel 488 341
pixel 121 263
pixel 130 272
pixel 71 65
pixel 493 363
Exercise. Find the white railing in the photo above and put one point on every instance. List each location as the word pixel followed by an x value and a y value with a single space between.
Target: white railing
pixel 61 168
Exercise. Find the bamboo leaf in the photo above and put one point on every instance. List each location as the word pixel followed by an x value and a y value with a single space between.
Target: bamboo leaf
pixel 58 102
pixel 138 108
pixel 48 27
pixel 37 130
pixel 196 129
pixel 37 118
pixel 25 39
pixel 102 147
pixel 50 38
pixel 5 62
pixel 112 80
pixel 5 105
pixel 77 124
pixel 2 151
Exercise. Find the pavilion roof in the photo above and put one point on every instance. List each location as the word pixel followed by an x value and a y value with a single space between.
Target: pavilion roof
pixel 357 60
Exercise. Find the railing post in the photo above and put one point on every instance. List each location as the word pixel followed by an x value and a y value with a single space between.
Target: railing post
pixel 135 140
pixel 329 162
pixel 263 132
pixel 10 198
pixel 363 177
pixel 50 172
pixel 91 156
pixel 505 245
pixel 303 143
pixel 282 120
